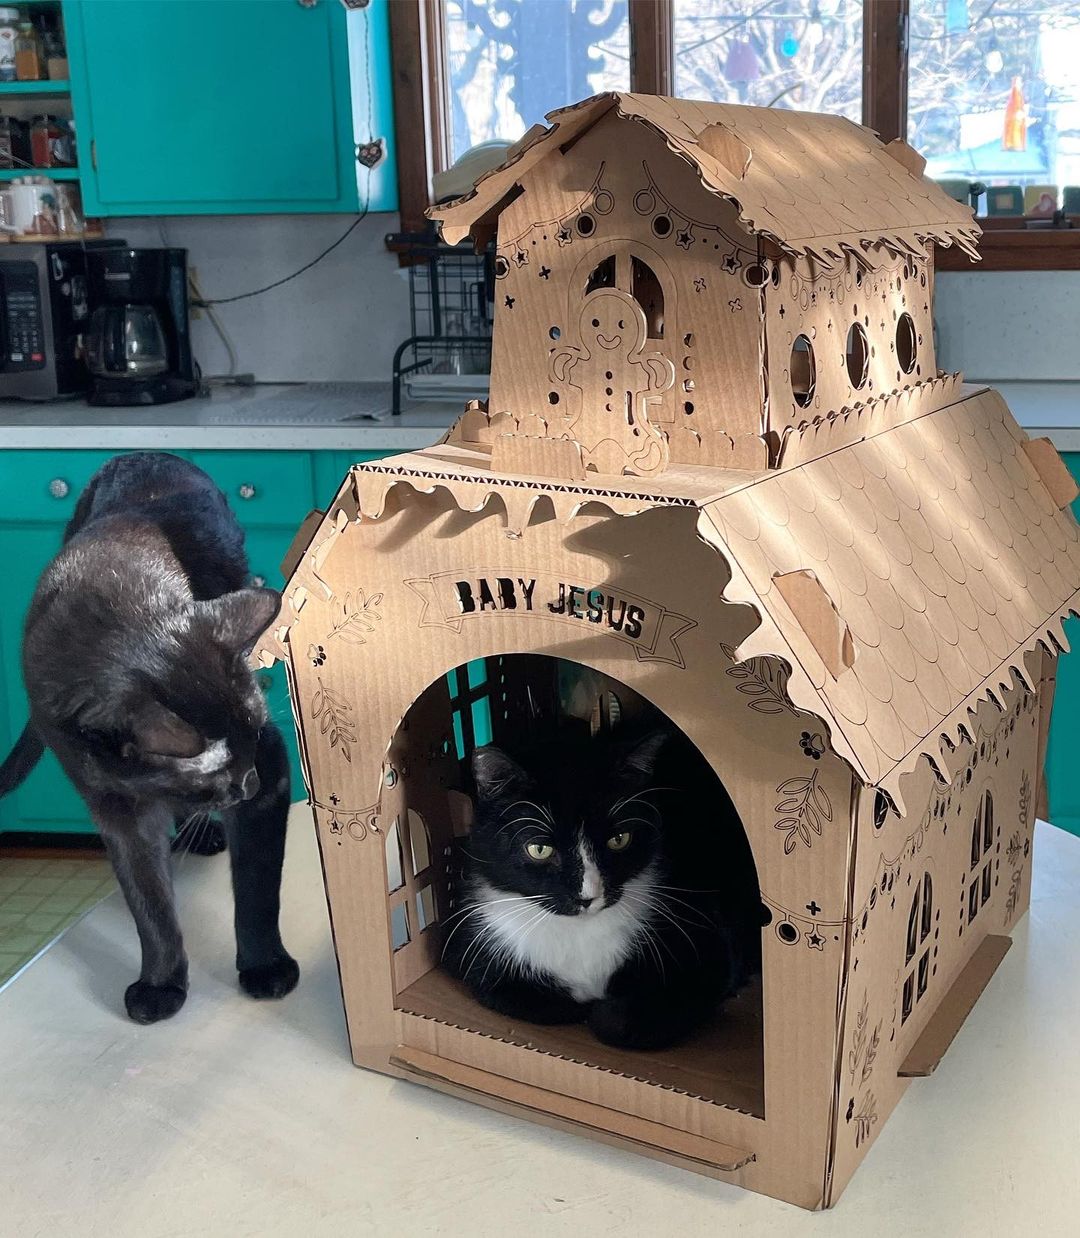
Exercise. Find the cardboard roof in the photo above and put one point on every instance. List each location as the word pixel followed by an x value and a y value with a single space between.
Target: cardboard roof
pixel 817 185
pixel 948 551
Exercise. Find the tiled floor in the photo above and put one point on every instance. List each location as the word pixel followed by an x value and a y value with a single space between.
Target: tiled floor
pixel 41 897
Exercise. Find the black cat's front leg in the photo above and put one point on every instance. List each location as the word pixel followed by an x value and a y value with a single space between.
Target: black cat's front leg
pixel 530 1001
pixel 255 831
pixel 138 846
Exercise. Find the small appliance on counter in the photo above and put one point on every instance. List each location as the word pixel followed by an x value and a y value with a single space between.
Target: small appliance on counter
pixel 139 343
pixel 44 312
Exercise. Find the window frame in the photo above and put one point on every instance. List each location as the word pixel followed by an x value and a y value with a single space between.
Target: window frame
pixel 421 86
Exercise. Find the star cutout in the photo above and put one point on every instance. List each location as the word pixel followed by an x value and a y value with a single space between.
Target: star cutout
pixel 545 272
pixel 731 262
pixel 335 826
pixel 699 284
pixel 685 238
pixel 521 258
pixel 815 941
pixel 509 302
pixel 564 236
pixel 735 305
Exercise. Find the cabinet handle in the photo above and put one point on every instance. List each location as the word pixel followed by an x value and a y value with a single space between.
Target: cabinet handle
pixel 59 488
pixel 258 582
pixel 246 490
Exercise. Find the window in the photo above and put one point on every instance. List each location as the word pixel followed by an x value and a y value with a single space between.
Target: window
pixel 793 55
pixel 986 92
pixel 982 875
pixel 512 61
pixel 994 91
pixel 920 947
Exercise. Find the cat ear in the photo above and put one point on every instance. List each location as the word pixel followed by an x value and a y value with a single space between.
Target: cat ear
pixel 494 771
pixel 159 732
pixel 239 619
pixel 641 759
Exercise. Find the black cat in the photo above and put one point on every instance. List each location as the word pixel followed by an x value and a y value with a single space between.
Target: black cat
pixel 606 883
pixel 134 658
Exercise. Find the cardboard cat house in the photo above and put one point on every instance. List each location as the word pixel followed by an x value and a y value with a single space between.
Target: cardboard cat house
pixel 720 468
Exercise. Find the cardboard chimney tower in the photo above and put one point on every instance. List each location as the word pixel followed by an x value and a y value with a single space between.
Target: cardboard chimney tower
pixel 720 470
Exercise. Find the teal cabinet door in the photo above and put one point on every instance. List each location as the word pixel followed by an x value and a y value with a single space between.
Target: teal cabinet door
pixel 240 106
pixel 1063 749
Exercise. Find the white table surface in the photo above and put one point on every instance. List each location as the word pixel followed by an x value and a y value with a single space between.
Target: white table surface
pixel 237 1118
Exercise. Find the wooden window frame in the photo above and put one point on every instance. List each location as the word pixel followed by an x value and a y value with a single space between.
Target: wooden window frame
pixel 421 98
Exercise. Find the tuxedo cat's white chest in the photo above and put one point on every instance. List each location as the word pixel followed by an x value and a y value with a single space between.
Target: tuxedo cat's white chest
pixel 580 952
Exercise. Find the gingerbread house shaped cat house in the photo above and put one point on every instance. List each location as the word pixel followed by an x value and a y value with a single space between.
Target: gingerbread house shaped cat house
pixel 720 469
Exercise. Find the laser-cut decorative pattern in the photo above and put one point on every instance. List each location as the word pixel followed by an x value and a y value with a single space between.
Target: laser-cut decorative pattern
pixel 942 551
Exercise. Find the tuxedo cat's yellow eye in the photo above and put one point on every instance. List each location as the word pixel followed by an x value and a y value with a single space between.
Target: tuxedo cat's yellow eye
pixel 539 851
pixel 619 842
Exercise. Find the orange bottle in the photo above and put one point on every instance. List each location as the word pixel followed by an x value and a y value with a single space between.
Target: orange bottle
pixel 1016 119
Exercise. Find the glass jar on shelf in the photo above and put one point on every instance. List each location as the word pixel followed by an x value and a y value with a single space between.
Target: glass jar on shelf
pixel 28 59
pixel 9 32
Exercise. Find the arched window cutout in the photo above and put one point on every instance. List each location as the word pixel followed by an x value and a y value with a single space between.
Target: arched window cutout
pixel 913 928
pixel 646 290
pixel 920 941
pixel 927 907
pixel 603 275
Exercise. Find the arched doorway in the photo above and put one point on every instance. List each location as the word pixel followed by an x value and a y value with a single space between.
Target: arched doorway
pixel 517 701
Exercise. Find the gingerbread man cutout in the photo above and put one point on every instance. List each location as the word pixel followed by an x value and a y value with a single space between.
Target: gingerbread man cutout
pixel 614 382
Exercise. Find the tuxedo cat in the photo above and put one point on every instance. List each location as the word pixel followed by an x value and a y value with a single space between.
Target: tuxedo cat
pixel 606 883
pixel 134 658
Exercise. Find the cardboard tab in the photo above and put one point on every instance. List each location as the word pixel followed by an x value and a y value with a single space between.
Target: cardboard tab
pixel 907 156
pixel 726 148
pixel 301 542
pixel 1053 471
pixel 819 619
pixel 954 1008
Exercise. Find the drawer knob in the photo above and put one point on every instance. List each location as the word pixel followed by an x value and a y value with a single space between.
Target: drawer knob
pixel 246 490
pixel 258 582
pixel 59 488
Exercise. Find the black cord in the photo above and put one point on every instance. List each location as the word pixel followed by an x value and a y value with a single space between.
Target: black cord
pixel 256 292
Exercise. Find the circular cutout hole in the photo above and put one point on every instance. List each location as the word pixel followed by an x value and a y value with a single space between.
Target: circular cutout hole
pixel 787 932
pixel 776 277
pixel 554 333
pixel 586 225
pixel 688 339
pixel 688 407
pixel 661 225
pixel 803 371
pixel 756 275
pixel 501 267
pixel 553 397
pixel 857 355
pixel 906 342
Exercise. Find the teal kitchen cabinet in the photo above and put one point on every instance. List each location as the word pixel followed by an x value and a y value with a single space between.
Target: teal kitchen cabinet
pixel 270 491
pixel 1063 749
pixel 183 107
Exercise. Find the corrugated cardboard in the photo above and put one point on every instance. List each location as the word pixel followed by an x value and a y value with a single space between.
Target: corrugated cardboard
pixel 841 573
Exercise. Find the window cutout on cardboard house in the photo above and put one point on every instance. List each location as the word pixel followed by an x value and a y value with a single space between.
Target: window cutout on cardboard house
pixel 519 699
pixel 922 937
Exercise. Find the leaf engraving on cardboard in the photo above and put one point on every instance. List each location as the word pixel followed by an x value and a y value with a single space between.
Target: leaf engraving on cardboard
pixel 359 615
pixel 760 679
pixel 332 712
pixel 1025 800
pixel 804 806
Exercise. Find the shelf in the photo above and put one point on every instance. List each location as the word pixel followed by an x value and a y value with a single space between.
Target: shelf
pixel 44 87
pixel 56 174
pixel 1020 249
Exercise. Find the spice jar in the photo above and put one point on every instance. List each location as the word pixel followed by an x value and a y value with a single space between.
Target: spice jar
pixel 52 143
pixel 9 29
pixel 28 57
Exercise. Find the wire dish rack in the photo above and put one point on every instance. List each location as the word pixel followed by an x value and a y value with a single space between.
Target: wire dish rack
pixel 447 356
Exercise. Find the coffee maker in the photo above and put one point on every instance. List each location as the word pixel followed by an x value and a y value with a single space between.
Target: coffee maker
pixel 139 343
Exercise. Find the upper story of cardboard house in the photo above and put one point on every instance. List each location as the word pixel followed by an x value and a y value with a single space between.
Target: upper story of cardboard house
pixel 704 274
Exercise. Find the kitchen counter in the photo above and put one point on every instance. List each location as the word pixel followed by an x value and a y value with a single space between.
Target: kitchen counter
pixel 248 1118
pixel 267 417
pixel 356 416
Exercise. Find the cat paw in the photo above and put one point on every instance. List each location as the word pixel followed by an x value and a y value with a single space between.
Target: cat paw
pixel 150 1003
pixel 271 979
pixel 624 1026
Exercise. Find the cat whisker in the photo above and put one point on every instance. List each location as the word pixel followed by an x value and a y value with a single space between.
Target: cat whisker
pixel 543 812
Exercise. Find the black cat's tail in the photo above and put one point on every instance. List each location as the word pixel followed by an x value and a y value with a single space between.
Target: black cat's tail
pixel 21 760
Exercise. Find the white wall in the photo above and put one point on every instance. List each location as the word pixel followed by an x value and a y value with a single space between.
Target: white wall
pixel 1009 324
pixel 340 321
